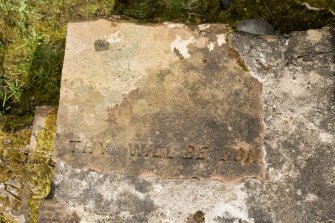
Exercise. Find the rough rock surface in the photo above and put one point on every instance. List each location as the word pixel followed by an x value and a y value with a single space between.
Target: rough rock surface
pixel 297 74
pixel 256 26
pixel 101 73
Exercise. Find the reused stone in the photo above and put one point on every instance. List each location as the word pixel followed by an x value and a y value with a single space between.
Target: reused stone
pixel 159 102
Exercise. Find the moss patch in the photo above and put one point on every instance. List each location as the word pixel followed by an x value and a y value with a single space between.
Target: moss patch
pixel 16 163
pixel 286 16
pixel 187 11
pixel 40 165
pixel 13 159
pixel 5 219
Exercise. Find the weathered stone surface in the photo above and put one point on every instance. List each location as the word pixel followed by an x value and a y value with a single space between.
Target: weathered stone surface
pixel 297 77
pixel 297 73
pixel 158 100
pixel 99 197
pixel 256 26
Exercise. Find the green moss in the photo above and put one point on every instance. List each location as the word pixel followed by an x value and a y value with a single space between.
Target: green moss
pixel 286 16
pixel 325 4
pixel 13 159
pixel 16 162
pixel 187 11
pixel 12 123
pixel 5 219
pixel 40 165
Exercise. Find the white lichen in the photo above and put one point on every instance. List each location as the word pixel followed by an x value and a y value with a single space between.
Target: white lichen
pixel 311 197
pixel 314 36
pixel 210 46
pixel 326 137
pixel 114 38
pixel 181 46
pixel 221 39
pixel 202 27
pixel 234 206
pixel 171 25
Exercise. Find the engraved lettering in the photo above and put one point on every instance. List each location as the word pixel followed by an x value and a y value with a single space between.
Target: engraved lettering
pixel 242 155
pixel 146 150
pixel 201 152
pixel 170 153
pixel 132 149
pixel 156 153
pixel 139 149
pixel 103 147
pixel 189 153
pixel 227 151
pixel 196 152
pixel 253 156
pixel 74 141
pixel 75 145
pixel 88 148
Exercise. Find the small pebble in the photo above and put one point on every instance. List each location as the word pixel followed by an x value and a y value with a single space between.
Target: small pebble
pixel 226 3
pixel 256 26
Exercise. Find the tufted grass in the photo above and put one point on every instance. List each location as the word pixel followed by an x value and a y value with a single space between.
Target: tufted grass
pixel 32 40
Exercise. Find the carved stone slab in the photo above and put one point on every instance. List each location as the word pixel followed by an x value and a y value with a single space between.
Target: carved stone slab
pixel 169 100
